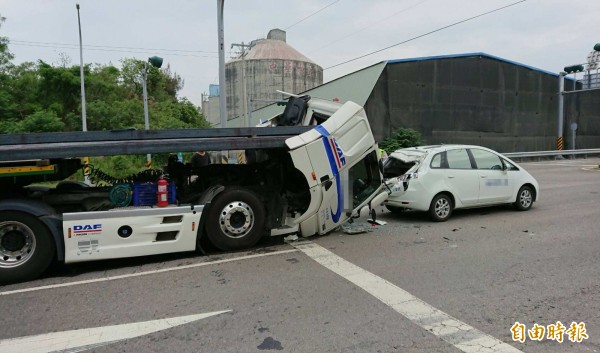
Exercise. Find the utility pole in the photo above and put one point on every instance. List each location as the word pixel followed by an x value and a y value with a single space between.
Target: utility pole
pixel 146 119
pixel 244 93
pixel 221 37
pixel 86 160
pixel 156 62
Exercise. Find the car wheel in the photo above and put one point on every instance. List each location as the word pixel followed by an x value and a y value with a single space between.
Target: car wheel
pixel 441 208
pixel 524 198
pixel 26 247
pixel 236 220
pixel 395 209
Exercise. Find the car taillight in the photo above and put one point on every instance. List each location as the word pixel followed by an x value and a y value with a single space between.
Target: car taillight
pixel 409 176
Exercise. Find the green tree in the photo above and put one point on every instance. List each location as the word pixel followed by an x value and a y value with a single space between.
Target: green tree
pixel 5 55
pixel 42 121
pixel 59 85
pixel 6 104
pixel 37 96
pixel 162 83
pixel 24 90
pixel 401 138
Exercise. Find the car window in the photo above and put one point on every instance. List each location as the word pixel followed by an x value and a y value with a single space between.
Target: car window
pixel 486 160
pixel 436 161
pixel 509 165
pixel 458 159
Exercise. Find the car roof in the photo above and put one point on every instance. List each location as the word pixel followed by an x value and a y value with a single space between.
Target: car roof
pixel 420 151
pixel 439 148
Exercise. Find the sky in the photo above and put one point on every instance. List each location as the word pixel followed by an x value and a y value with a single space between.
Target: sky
pixel 546 34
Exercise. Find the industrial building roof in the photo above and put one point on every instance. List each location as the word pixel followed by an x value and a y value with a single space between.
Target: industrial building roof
pixel 452 56
pixel 357 85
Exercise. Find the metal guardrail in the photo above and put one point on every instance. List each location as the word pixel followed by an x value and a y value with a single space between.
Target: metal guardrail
pixel 552 153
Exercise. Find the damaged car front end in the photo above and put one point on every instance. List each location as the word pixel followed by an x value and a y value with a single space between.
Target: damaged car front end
pixel 399 169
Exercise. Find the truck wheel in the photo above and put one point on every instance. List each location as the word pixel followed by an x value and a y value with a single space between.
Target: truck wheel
pixel 236 220
pixel 26 247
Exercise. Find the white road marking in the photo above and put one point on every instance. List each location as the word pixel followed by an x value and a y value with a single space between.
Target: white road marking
pixel 84 339
pixel 459 334
pixel 112 278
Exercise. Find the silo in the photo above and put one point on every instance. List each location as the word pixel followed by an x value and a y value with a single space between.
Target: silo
pixel 270 65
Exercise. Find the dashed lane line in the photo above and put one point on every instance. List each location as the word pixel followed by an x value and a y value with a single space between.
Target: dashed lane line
pixel 459 334
pixel 138 274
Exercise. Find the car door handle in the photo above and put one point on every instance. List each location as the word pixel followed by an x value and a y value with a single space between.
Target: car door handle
pixel 450 176
pixel 483 176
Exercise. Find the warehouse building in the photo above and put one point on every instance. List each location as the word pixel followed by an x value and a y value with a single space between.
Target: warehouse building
pixel 471 98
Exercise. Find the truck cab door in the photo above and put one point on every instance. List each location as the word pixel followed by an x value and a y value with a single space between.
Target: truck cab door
pixel 337 149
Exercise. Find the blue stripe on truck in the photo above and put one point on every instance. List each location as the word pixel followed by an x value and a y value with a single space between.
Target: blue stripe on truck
pixel 335 171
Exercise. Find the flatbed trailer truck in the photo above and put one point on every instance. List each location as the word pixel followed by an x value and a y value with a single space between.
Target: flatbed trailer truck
pixel 316 167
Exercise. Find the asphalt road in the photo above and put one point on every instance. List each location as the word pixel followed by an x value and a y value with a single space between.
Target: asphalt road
pixel 409 286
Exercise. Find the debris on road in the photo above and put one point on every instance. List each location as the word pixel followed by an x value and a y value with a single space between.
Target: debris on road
pixel 291 237
pixel 357 228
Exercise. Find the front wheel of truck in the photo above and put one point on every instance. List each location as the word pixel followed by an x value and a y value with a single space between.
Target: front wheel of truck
pixel 236 220
pixel 26 247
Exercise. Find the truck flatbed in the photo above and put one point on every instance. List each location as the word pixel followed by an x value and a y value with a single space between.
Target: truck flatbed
pixel 106 143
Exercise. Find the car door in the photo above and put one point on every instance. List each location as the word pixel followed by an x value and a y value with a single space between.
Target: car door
pixel 495 185
pixel 333 149
pixel 460 176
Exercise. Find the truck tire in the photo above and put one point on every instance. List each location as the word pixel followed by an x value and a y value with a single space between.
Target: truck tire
pixel 26 247
pixel 235 220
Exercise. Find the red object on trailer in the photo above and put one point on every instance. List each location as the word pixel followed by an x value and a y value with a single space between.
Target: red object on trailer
pixel 162 197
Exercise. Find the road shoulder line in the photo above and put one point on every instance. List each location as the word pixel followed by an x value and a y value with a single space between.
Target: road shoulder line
pixel 459 334
pixel 130 275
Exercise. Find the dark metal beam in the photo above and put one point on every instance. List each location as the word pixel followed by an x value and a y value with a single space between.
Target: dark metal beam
pixel 122 147
pixel 131 134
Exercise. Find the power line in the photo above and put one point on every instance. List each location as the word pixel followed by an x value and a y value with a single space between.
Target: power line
pixel 74 47
pixel 107 48
pixel 368 26
pixel 426 34
pixel 312 14
pixel 110 47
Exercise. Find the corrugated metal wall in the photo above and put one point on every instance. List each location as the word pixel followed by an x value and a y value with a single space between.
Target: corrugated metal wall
pixel 583 108
pixel 477 100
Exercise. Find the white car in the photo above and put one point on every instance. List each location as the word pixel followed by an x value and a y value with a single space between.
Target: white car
pixel 442 178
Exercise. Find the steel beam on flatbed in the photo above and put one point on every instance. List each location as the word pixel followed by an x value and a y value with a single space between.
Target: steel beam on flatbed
pixel 109 143
pixel 132 134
